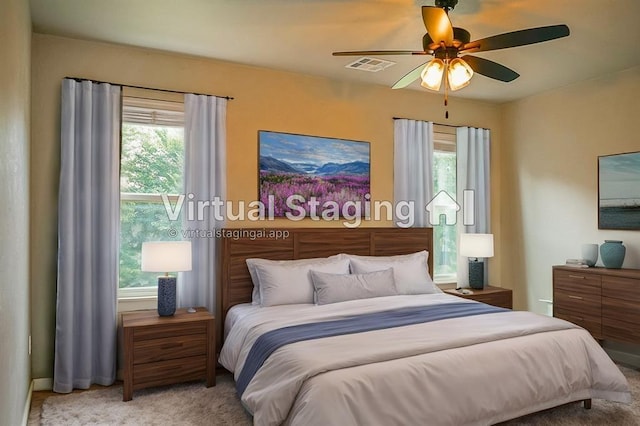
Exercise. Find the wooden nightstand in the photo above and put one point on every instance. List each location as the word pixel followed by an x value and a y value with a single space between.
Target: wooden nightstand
pixel 496 296
pixel 165 350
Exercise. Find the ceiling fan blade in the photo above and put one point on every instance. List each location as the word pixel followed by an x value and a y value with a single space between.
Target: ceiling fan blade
pixel 490 69
pixel 409 78
pixel 438 24
pixel 381 52
pixel 517 38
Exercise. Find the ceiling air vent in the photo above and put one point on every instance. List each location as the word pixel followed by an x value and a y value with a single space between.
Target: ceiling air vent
pixel 370 64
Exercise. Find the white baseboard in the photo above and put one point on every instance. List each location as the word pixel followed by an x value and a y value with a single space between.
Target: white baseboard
pixel 42 384
pixel 627 358
pixel 27 406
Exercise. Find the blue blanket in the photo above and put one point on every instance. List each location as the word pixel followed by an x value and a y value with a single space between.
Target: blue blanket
pixel 272 340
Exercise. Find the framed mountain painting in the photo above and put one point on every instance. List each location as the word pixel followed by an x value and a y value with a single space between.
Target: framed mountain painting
pixel 312 176
pixel 619 191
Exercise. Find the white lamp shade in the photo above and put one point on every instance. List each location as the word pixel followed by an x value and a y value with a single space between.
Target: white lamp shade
pixel 459 74
pixel 476 245
pixel 166 256
pixel 431 75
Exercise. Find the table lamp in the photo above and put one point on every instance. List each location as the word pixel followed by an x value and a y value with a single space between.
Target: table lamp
pixel 166 256
pixel 475 246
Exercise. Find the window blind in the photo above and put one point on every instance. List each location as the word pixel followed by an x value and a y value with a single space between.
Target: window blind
pixel 152 111
pixel 444 138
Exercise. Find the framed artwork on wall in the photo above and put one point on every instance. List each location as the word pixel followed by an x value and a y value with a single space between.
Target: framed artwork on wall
pixel 313 176
pixel 619 191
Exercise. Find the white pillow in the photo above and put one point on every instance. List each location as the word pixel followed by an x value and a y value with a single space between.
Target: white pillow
pixel 289 284
pixel 410 271
pixel 251 264
pixel 332 288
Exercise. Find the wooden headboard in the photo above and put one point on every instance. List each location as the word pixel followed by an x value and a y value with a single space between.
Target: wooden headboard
pixel 235 284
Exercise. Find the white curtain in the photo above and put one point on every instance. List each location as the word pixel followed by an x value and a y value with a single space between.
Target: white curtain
pixel 473 157
pixel 88 235
pixel 205 178
pixel 413 166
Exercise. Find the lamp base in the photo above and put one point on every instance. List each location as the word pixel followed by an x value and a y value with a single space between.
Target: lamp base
pixel 166 296
pixel 476 274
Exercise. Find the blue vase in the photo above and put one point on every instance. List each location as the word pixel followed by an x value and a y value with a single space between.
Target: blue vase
pixel 612 254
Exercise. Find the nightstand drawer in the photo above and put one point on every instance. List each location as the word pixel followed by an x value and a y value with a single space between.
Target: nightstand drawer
pixel 169 348
pixel 589 322
pixel 495 299
pixel 496 296
pixel 167 372
pixel 170 330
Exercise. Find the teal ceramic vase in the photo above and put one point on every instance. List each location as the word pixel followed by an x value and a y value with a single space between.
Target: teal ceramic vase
pixel 612 254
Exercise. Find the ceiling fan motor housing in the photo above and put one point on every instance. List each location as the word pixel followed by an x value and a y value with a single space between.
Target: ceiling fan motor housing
pixel 460 37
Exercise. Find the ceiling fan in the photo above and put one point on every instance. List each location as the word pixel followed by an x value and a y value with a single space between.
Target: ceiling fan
pixel 450 47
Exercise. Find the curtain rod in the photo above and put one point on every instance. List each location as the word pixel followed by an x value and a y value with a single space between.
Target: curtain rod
pixel 147 88
pixel 439 124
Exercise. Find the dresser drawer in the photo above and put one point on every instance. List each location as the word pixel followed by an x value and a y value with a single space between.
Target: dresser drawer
pixel 169 330
pixel 623 331
pixel 171 371
pixel 591 323
pixel 621 288
pixel 169 348
pixel 620 319
pixel 578 301
pixel 570 281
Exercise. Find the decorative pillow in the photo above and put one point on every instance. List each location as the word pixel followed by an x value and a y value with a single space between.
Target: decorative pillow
pixel 289 284
pixel 332 288
pixel 410 271
pixel 251 264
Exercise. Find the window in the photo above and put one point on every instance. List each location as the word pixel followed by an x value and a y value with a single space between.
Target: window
pixel 151 164
pixel 444 179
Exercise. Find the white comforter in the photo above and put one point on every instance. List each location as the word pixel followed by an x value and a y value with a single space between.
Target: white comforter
pixel 481 369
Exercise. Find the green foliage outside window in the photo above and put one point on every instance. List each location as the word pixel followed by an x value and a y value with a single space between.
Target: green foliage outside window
pixel 444 241
pixel 152 163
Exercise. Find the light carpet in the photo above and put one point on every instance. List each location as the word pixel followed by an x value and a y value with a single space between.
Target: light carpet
pixel 194 404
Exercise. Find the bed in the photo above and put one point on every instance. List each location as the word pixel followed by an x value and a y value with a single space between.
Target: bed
pixel 463 363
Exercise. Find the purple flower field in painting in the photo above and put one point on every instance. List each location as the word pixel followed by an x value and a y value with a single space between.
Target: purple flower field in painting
pixel 340 189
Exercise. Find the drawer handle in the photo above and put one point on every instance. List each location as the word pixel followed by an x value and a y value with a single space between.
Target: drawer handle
pixel 575 297
pixel 580 277
pixel 171 346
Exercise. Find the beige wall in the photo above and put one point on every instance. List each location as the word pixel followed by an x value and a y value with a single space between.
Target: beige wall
pixel 550 178
pixel 15 44
pixel 264 100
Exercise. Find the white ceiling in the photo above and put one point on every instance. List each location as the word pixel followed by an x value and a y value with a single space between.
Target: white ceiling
pixel 299 35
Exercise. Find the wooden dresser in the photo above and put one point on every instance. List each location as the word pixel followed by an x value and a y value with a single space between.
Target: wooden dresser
pixel 606 302
pixel 165 350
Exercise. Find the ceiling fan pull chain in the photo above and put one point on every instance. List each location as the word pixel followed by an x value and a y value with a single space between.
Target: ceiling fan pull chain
pixel 446 90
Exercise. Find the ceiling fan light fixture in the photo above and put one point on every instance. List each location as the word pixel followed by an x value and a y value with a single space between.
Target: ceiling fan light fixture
pixel 431 75
pixel 459 74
